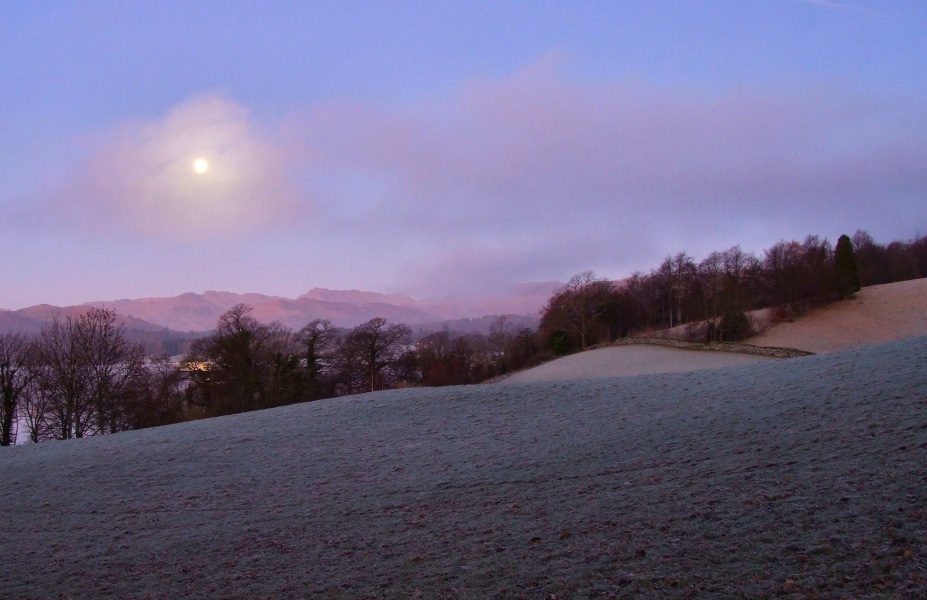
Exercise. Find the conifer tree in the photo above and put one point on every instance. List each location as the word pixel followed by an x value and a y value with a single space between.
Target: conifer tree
pixel 845 262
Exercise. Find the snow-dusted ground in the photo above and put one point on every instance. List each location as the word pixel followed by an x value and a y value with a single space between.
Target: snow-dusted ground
pixel 788 477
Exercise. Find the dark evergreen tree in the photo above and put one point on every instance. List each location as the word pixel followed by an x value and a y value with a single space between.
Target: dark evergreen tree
pixel 845 262
pixel 734 326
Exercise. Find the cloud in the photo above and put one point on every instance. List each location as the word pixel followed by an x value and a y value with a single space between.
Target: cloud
pixel 529 177
pixel 141 175
pixel 506 176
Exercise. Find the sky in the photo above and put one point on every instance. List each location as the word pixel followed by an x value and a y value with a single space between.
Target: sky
pixel 443 148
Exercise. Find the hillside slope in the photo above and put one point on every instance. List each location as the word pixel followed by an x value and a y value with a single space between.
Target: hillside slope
pixel 798 476
pixel 624 361
pixel 875 314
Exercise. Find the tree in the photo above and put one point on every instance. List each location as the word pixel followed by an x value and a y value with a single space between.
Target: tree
pixel 734 326
pixel 317 342
pixel 63 381
pixel 741 270
pixel 86 374
pixel 160 394
pixel 243 366
pixel 500 332
pixel 35 409
pixel 819 273
pixel 577 308
pixel 16 376
pixel 845 262
pixel 433 352
pixel 115 367
pixel 368 351
pixel 783 272
pixel 675 278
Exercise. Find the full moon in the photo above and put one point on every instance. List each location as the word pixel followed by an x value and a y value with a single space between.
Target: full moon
pixel 201 165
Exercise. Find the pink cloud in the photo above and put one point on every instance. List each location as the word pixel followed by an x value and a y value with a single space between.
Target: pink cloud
pixel 526 144
pixel 537 169
pixel 534 176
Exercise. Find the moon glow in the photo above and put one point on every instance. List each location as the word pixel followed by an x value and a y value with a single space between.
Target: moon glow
pixel 200 165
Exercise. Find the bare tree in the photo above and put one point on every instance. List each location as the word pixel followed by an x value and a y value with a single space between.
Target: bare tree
pixel 114 367
pixel 368 351
pixel 578 306
pixel 63 381
pixel 782 267
pixel 500 333
pixel 86 375
pixel 16 375
pixel 675 278
pixel 35 413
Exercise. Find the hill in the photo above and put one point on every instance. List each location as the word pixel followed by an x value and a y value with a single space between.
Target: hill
pixel 800 477
pixel 875 314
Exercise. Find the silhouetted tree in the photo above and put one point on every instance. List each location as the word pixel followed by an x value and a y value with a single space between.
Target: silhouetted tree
pixel 902 264
pixel 115 370
pixel 368 352
pixel 819 274
pixel 783 272
pixel 16 375
pixel 845 263
pixel 317 342
pixel 86 376
pixel 500 332
pixel 734 326
pixel 160 394
pixel 577 308
pixel 244 365
pixel 871 259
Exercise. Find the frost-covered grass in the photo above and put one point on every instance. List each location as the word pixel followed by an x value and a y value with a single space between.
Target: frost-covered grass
pixel 621 361
pixel 803 477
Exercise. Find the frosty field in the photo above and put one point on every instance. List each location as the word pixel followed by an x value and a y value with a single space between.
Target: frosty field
pixel 797 478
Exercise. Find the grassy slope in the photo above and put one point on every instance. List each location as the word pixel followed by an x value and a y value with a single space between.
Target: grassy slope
pixel 880 313
pixel 783 478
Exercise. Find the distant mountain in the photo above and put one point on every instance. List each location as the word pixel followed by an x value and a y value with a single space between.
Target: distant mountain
pixel 157 339
pixel 31 319
pixel 357 297
pixel 344 308
pixel 186 312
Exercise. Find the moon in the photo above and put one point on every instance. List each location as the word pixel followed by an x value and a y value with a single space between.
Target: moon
pixel 200 165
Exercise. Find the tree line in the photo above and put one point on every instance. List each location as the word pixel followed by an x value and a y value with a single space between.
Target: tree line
pixel 80 376
pixel 718 291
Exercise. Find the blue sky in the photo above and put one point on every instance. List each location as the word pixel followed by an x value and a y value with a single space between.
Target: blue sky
pixel 443 147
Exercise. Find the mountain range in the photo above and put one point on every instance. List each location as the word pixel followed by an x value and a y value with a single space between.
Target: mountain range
pixel 345 308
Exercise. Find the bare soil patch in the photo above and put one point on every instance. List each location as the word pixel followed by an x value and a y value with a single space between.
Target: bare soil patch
pixel 875 314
